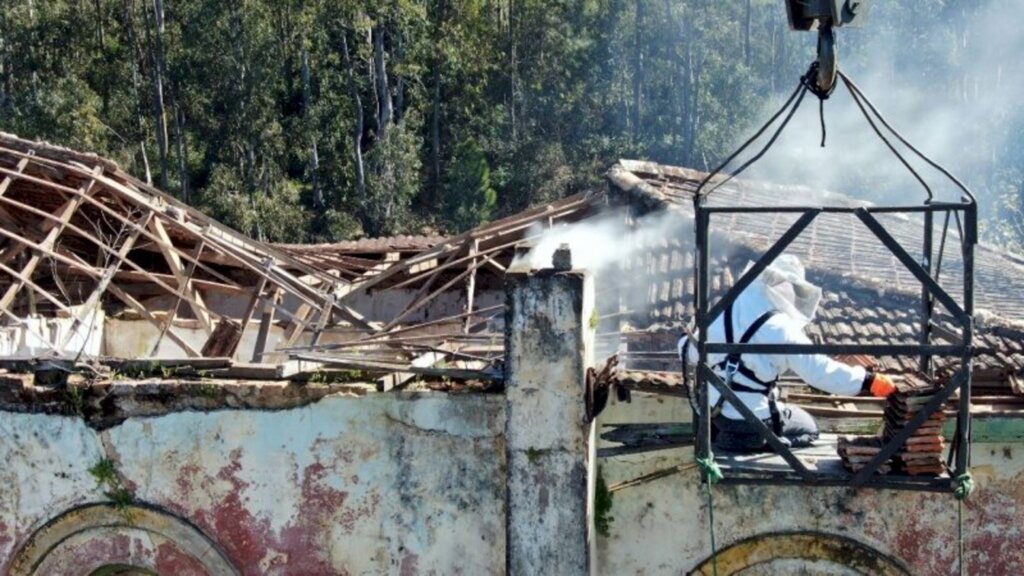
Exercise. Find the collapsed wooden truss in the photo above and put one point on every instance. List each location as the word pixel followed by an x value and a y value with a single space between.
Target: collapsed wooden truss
pixel 78 236
pixel 467 342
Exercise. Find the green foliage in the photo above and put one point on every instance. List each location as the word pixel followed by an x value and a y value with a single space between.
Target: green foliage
pixel 105 472
pixel 469 199
pixel 121 498
pixel 66 111
pixel 274 217
pixel 74 400
pixel 332 226
pixel 208 390
pixel 494 105
pixel 107 476
pixel 534 455
pixel 337 377
pixel 393 180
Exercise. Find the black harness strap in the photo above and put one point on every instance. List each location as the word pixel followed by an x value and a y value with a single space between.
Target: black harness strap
pixel 734 362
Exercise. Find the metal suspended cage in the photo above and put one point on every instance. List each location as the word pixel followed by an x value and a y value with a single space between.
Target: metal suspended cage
pixel 962 212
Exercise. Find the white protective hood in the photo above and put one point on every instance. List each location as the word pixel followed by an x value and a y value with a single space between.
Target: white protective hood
pixel 783 286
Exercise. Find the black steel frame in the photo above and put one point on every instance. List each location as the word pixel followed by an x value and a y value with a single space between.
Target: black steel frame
pixel 931 291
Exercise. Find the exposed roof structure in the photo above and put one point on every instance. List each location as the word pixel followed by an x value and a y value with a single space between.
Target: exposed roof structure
pixel 354 258
pixel 79 236
pixel 464 262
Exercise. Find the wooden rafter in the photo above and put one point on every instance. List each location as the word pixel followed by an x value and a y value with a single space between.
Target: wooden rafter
pixel 6 183
pixel 105 279
pixel 53 231
pixel 266 322
pixel 172 312
pixel 471 285
pixel 173 258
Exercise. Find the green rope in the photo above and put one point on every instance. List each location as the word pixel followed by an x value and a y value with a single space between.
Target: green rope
pixel 960 533
pixel 710 467
pixel 713 474
pixel 964 487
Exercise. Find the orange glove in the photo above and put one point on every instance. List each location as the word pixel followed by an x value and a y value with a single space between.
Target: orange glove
pixel 882 386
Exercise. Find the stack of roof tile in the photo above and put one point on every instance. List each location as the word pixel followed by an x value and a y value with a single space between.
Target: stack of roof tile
pixel 857 451
pixel 921 453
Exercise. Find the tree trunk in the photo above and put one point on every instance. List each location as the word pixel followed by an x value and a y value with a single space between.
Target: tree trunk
pixel 677 84
pixel 307 104
pixel 435 135
pixel 435 120
pixel 159 111
pixel 358 129
pixel 774 49
pixel 5 61
pixel 400 81
pixel 638 70
pixel 137 62
pixel 101 41
pixel 513 65
pixel 179 136
pixel 383 94
pixel 746 35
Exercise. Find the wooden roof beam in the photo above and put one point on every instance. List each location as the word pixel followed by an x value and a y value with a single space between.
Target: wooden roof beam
pixel 173 258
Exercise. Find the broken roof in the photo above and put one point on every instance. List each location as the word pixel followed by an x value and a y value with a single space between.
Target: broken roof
pixel 869 296
pixel 78 233
pixel 836 244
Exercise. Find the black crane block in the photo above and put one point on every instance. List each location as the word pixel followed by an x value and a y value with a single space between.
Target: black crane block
pixel 812 14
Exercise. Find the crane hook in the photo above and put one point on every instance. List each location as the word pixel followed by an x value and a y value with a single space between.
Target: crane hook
pixel 828 59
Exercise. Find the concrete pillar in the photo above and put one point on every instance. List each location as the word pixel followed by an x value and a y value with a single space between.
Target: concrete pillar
pixel 548 441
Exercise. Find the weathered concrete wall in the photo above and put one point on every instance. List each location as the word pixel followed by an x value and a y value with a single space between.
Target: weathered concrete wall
pixel 547 432
pixel 383 484
pixel 661 527
pixel 415 484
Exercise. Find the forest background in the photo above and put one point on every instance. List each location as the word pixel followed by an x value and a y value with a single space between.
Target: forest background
pixel 324 120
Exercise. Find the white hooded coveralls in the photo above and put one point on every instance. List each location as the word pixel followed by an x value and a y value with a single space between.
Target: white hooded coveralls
pixel 782 288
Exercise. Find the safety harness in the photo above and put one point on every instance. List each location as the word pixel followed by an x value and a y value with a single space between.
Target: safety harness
pixel 733 364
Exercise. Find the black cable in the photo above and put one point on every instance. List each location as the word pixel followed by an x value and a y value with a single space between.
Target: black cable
pixel 810 80
pixel 821 114
pixel 853 88
pixel 756 135
pixel 768 145
pixel 860 105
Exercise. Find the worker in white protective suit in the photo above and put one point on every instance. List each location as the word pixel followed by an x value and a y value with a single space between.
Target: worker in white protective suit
pixel 774 309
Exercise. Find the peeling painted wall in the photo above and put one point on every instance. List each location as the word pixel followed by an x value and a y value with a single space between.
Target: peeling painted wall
pixel 661 527
pixel 414 483
pixel 383 484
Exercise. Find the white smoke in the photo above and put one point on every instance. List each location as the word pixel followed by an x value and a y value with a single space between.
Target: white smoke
pixel 598 243
pixel 949 82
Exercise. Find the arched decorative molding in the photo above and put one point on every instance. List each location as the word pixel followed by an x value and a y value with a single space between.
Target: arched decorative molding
pixel 78 528
pixel 801 545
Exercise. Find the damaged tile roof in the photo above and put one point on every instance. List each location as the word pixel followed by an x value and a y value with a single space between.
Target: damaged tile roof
pixel 836 244
pixel 869 296
pixel 358 255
